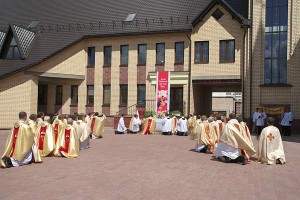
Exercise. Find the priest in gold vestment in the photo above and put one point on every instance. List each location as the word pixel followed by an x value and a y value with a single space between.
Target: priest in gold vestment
pixel 98 128
pixel 207 137
pixel 233 145
pixel 19 148
pixel 270 148
pixel 68 141
pixel 149 126
pixel 45 138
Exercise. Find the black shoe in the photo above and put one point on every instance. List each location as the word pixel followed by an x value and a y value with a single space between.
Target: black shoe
pixel 244 162
pixel 225 159
pixel 7 162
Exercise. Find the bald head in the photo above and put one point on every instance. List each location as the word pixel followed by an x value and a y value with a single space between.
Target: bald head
pixel 47 118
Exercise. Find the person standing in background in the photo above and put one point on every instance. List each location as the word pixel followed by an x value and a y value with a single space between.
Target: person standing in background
pixel 260 120
pixel 286 122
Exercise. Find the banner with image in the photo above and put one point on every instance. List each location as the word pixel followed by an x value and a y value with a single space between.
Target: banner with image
pixel 162 91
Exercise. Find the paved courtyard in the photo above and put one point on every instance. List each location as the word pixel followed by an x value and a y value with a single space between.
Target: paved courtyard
pixel 150 167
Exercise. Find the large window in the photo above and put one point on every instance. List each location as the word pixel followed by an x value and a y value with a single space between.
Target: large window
pixel 124 54
pixel 42 94
pixel 142 54
pixel 13 50
pixel 141 94
pixel 179 52
pixel 227 53
pixel 90 95
pixel 107 55
pixel 91 56
pixel 106 94
pixel 160 53
pixel 276 42
pixel 123 95
pixel 74 94
pixel 202 52
pixel 58 95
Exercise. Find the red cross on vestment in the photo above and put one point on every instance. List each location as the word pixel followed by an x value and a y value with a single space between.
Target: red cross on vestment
pixel 270 136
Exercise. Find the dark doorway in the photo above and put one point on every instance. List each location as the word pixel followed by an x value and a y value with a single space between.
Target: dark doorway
pixel 42 98
pixel 176 99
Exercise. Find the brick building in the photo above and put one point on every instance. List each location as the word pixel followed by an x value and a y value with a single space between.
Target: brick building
pixel 103 56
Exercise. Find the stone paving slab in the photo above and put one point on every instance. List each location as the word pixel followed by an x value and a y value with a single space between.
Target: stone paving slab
pixel 150 167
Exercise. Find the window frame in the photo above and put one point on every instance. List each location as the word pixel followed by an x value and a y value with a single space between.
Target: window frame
pixel 138 95
pixel 176 51
pixel 91 53
pixel 164 54
pixel 104 97
pixel 58 97
pixel 88 96
pixel 72 95
pixel 122 63
pixel 201 52
pixel 121 104
pixel 276 33
pixel 227 51
pixel 105 59
pixel 138 61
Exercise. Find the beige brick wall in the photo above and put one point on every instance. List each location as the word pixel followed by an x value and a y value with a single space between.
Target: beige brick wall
pixel 211 30
pixel 17 93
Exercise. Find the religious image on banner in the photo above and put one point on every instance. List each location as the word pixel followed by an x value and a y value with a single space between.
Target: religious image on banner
pixel 162 91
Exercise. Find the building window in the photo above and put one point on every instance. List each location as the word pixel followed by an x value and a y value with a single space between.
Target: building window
pixel 90 95
pixel 106 94
pixel 179 52
pixel 91 56
pixel 42 94
pixel 107 55
pixel 160 53
pixel 275 66
pixel 227 53
pixel 13 50
pixel 123 95
pixel 202 52
pixel 142 54
pixel 124 54
pixel 217 14
pixel 58 95
pixel 74 94
pixel 141 94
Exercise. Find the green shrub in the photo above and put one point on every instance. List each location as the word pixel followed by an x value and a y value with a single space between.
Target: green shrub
pixel 147 113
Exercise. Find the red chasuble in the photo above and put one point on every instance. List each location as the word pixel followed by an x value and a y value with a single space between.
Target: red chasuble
pixel 15 136
pixel 148 126
pixel 56 132
pixel 92 125
pixel 42 137
pixel 67 142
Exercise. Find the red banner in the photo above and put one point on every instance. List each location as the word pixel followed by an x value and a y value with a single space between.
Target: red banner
pixel 162 91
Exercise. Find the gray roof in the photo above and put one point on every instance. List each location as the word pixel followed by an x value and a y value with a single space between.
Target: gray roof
pixel 64 23
pixel 2 36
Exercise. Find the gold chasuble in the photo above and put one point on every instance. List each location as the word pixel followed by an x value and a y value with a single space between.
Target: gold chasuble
pixel 19 143
pixel 33 125
pixel 207 135
pixel 45 138
pixel 149 126
pixel 67 143
pixel 174 125
pixel 232 136
pixel 219 126
pixel 130 124
pixel 57 127
pixel 270 148
pixel 99 126
pixel 191 124
pixel 85 131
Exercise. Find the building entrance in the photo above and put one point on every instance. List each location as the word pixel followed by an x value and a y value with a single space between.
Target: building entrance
pixel 176 99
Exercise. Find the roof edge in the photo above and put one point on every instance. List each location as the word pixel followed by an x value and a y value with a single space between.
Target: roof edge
pixel 243 21
pixel 92 36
